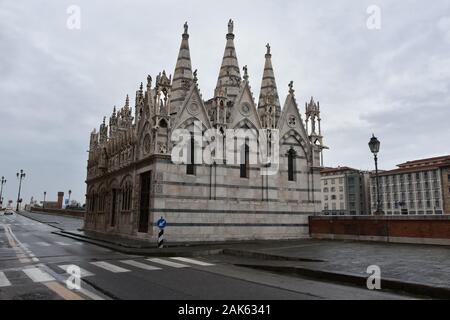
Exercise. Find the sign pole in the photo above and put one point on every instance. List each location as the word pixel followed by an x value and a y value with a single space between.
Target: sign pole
pixel 161 223
pixel 161 238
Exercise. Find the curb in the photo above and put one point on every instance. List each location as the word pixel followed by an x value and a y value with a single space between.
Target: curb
pixel 413 288
pixel 266 256
pixel 140 251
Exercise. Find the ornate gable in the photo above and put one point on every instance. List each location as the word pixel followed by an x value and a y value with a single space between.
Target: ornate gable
pixel 244 108
pixel 192 109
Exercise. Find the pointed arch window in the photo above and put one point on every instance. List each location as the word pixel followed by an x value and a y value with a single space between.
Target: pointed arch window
pixel 244 166
pixel 291 164
pixel 127 192
pixel 190 167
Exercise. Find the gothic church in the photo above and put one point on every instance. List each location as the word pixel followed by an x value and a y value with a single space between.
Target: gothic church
pixel 132 182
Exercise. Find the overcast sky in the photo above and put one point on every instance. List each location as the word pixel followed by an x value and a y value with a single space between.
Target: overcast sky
pixel 56 83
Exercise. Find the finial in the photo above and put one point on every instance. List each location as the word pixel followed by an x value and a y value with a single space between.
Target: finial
pixel 268 48
pixel 141 87
pixel 127 101
pixel 186 27
pixel 104 119
pixel 291 87
pixel 245 72
pixel 195 75
pixel 230 26
pixel 149 81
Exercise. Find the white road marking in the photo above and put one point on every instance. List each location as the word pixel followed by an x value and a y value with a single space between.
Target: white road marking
pixel 79 243
pixel 168 263
pixel 83 273
pixel 90 294
pixel 44 244
pixel 4 282
pixel 193 261
pixel 62 243
pixel 37 275
pixel 140 265
pixel 108 266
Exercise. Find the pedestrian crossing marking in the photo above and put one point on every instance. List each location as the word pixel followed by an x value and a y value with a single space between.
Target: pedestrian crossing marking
pixel 83 273
pixel 168 263
pixel 108 266
pixel 140 265
pixel 193 261
pixel 4 282
pixel 37 275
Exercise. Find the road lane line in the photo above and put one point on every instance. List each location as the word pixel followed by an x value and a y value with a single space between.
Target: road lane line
pixel 37 275
pixel 168 263
pixel 62 291
pixel 62 243
pixel 43 244
pixel 4 282
pixel 140 265
pixel 193 261
pixel 108 266
pixel 83 273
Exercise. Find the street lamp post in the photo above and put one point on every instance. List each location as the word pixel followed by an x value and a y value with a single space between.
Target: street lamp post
pixel 3 181
pixel 43 203
pixel 20 176
pixel 374 145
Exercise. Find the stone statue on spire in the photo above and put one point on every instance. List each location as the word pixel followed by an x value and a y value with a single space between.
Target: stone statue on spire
pixel 291 87
pixel 186 27
pixel 268 48
pixel 230 26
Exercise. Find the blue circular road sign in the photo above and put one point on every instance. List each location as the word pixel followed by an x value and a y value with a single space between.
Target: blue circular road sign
pixel 161 223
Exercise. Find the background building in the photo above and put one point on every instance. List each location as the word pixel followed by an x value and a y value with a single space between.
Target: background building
pixel 415 187
pixel 345 191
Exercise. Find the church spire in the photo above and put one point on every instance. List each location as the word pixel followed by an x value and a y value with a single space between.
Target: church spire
pixel 268 93
pixel 229 75
pixel 182 77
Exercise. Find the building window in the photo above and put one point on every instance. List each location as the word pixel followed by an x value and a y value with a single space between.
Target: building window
pixel 291 165
pixel 341 180
pixel 325 197
pixel 101 201
pixel 333 189
pixel 333 197
pixel 126 197
pixel 325 182
pixel 341 197
pixel 325 189
pixel 341 189
pixel 245 162
pixel 333 181
pixel 190 167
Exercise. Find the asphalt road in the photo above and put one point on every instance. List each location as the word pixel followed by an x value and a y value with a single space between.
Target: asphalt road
pixel 33 265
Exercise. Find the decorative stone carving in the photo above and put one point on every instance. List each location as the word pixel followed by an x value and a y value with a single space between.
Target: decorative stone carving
pixel 292 121
pixel 147 144
pixel 245 109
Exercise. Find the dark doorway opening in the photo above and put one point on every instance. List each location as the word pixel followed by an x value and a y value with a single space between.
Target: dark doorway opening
pixel 144 206
pixel 113 207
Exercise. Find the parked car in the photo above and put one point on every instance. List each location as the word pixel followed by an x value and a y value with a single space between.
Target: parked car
pixel 9 211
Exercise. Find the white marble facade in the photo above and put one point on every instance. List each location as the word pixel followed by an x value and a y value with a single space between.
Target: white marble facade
pixel 132 181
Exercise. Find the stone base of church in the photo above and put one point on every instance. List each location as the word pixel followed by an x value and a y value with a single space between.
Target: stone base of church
pixel 203 222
